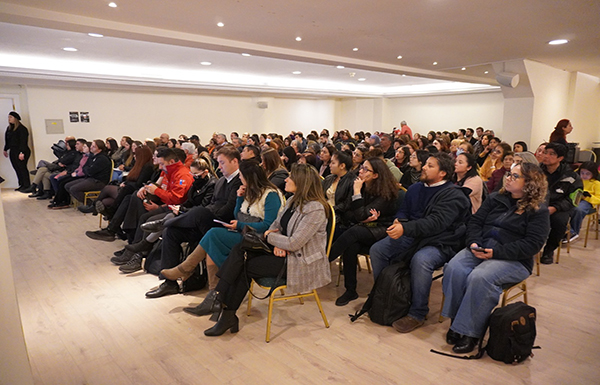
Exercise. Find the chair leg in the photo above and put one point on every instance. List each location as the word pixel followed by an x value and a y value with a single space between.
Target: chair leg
pixel 320 308
pixel 537 262
pixel 441 319
pixel 524 288
pixel 340 273
pixel 368 259
pixel 250 299
pixel 269 317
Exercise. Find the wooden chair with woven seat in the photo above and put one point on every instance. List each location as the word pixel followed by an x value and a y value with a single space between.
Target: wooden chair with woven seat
pixel 576 198
pixel 267 283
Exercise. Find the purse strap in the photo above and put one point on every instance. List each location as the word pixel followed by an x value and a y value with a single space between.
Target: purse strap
pixel 273 287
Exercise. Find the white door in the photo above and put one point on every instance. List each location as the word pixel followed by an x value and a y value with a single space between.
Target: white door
pixel 7 104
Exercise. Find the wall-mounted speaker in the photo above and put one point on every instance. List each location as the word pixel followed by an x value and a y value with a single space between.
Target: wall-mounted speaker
pixel 262 105
pixel 508 79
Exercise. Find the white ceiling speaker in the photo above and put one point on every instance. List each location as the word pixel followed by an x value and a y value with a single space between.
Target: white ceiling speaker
pixel 508 79
pixel 262 105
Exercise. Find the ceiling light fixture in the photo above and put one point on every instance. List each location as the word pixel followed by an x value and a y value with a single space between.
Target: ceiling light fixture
pixel 219 24
pixel 246 54
pixel 361 79
pixel 340 67
pixel 399 57
pixel 403 74
pixel 298 38
pixel 463 69
pixel 95 34
pixel 205 63
pixel 112 5
pixel 558 42
pixel 355 49
pixel 70 49
pixel 486 72
pixel 434 63
pixel 296 72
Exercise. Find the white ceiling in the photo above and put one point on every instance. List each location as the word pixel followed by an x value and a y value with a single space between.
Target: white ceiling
pixel 155 42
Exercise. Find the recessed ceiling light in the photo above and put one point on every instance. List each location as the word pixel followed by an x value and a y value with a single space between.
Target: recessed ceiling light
pixel 340 67
pixel 70 49
pixel 205 63
pixel 95 35
pixel 112 5
pixel 296 72
pixel 399 57
pixel 298 38
pixel 434 63
pixel 219 24
pixel 403 74
pixel 486 72
pixel 463 69
pixel 354 49
pixel 246 54
pixel 558 42
pixel 361 79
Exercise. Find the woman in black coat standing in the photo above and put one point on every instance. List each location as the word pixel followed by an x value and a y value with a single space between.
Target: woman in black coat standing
pixel 15 147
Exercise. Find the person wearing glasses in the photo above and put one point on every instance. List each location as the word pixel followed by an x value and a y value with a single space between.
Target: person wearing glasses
pixel 494 161
pixel 502 237
pixel 370 212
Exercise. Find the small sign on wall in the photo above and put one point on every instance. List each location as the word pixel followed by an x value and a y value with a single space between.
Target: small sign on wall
pixel 74 117
pixel 54 126
pixel 85 117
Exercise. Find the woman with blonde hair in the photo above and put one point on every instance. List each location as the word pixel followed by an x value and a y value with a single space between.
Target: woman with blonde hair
pixel 502 237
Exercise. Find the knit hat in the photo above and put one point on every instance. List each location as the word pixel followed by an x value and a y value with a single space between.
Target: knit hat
pixel 15 115
pixel 376 139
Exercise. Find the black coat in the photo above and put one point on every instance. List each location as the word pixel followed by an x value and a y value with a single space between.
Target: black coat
pixel 343 196
pixel 17 140
pixel 224 198
pixel 360 209
pixel 512 236
pixel 561 184
pixel 278 178
pixel 99 167
pixel 201 192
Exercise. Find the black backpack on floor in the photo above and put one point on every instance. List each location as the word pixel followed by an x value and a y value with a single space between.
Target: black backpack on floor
pixel 390 297
pixel 512 335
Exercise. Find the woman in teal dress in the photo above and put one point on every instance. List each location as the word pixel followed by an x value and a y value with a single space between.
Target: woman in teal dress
pixel 258 203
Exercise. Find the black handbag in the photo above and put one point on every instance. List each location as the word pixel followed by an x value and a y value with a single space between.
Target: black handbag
pixel 253 241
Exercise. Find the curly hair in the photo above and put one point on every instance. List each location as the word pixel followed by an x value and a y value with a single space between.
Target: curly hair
pixel 534 188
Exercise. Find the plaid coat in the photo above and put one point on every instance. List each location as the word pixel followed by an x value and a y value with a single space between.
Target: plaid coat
pixel 307 263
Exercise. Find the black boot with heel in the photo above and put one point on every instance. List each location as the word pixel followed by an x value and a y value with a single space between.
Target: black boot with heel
pixel 227 321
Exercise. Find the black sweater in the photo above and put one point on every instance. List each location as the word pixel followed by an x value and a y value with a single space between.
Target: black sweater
pixel 17 140
pixel 99 167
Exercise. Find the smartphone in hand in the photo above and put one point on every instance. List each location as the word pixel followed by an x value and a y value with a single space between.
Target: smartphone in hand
pixel 478 249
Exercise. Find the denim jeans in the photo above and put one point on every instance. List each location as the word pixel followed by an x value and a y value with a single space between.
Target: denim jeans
pixel 472 287
pixel 386 251
pixel 579 214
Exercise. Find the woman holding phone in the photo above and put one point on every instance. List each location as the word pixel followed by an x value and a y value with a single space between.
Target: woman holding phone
pixel 502 237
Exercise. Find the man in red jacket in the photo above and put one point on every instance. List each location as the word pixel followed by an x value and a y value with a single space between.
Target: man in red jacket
pixel 170 189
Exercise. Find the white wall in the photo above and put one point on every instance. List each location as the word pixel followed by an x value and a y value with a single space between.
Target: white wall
pixel 147 114
pixel 584 109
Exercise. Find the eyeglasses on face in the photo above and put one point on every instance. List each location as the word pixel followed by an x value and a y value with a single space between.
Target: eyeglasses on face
pixel 513 176
pixel 365 169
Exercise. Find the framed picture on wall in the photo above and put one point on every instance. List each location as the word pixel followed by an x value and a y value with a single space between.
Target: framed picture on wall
pixel 85 117
pixel 74 117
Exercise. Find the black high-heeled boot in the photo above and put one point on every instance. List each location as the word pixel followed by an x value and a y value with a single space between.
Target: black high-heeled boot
pixel 228 320
pixel 210 305
pixel 142 245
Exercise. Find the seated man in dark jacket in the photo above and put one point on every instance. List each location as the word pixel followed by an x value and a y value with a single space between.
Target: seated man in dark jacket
pixel 191 226
pixel 428 230
pixel 562 184
pixel 98 171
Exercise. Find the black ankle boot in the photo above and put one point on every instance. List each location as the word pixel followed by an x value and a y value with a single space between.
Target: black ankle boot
pixel 211 304
pixel 142 245
pixel 465 345
pixel 227 320
pixel 36 192
pixel 45 195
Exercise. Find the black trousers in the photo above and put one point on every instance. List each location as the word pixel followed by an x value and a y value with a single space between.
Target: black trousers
pixel 62 195
pixel 117 219
pixel 348 245
pixel 558 226
pixel 137 214
pixel 187 227
pixel 20 166
pixel 235 279
pixel 153 215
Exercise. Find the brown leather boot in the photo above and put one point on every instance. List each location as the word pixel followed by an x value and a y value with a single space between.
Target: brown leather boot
pixel 186 268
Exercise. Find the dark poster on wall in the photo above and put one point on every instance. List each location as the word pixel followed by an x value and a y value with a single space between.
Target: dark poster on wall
pixel 74 117
pixel 85 117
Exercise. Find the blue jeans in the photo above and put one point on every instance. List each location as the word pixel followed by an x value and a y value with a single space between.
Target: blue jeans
pixel 422 266
pixel 472 287
pixel 579 214
pixel 386 251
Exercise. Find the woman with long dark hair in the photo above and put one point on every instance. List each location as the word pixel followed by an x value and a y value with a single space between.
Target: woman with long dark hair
pixel 416 161
pixel 299 237
pixel 16 147
pixel 325 156
pixel 402 158
pixel 502 237
pixel 562 129
pixel 338 187
pixel 371 212
pixel 466 173
pixel 274 167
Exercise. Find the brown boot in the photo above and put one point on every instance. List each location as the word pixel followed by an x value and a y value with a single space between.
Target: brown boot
pixel 212 270
pixel 186 268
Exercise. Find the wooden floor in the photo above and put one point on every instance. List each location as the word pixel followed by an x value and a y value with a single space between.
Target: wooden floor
pixel 85 323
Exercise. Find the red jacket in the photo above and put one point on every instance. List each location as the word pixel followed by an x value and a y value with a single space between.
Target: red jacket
pixel 176 182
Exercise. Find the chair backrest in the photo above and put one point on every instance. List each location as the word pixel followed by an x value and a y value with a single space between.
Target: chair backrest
pixel 112 173
pixel 586 155
pixel 330 230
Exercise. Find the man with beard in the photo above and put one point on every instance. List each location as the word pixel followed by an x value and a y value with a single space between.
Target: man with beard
pixel 428 230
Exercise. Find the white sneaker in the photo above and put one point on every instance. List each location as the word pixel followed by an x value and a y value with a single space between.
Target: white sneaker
pixel 574 237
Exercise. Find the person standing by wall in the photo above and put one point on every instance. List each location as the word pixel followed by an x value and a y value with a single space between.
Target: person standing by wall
pixel 15 147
